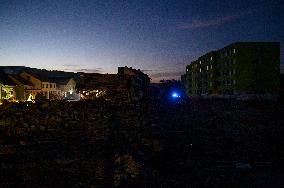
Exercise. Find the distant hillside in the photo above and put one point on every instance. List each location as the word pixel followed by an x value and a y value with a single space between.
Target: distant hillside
pixel 12 69
pixel 40 72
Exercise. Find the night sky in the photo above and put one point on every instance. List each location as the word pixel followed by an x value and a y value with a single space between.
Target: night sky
pixel 158 36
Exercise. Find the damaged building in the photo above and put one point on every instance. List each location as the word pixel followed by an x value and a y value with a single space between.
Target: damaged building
pixel 127 85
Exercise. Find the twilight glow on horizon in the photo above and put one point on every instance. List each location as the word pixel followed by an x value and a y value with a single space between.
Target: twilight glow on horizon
pixel 159 37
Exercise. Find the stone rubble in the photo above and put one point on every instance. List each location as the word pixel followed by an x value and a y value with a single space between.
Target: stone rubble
pixel 196 143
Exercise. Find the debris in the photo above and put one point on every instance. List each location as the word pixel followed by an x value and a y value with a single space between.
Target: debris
pixel 98 143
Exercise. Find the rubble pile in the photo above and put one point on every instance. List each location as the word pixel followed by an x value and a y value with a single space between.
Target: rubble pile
pixel 196 143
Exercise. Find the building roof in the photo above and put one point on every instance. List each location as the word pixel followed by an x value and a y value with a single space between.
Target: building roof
pixel 96 80
pixel 242 43
pixel 21 80
pixel 60 80
pixel 41 78
pixel 231 45
pixel 5 80
pixel 136 72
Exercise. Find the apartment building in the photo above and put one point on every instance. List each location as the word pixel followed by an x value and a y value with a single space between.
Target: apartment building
pixel 239 68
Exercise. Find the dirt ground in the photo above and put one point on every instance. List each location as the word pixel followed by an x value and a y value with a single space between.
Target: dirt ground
pixel 186 143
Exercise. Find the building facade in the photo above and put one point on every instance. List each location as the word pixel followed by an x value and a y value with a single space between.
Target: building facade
pixel 107 86
pixel 24 89
pixel 127 85
pixel 7 87
pixel 41 85
pixel 23 83
pixel 239 68
pixel 67 87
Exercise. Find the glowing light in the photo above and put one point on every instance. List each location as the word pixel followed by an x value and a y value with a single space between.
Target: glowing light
pixel 175 95
pixel 30 98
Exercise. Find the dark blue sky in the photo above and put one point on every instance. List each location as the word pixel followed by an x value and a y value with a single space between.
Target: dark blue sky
pixel 160 37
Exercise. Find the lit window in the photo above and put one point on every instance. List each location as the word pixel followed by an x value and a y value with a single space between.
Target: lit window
pixel 200 62
pixel 207 67
pixel 234 51
pixel 200 70
pixel 211 58
pixel 187 70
